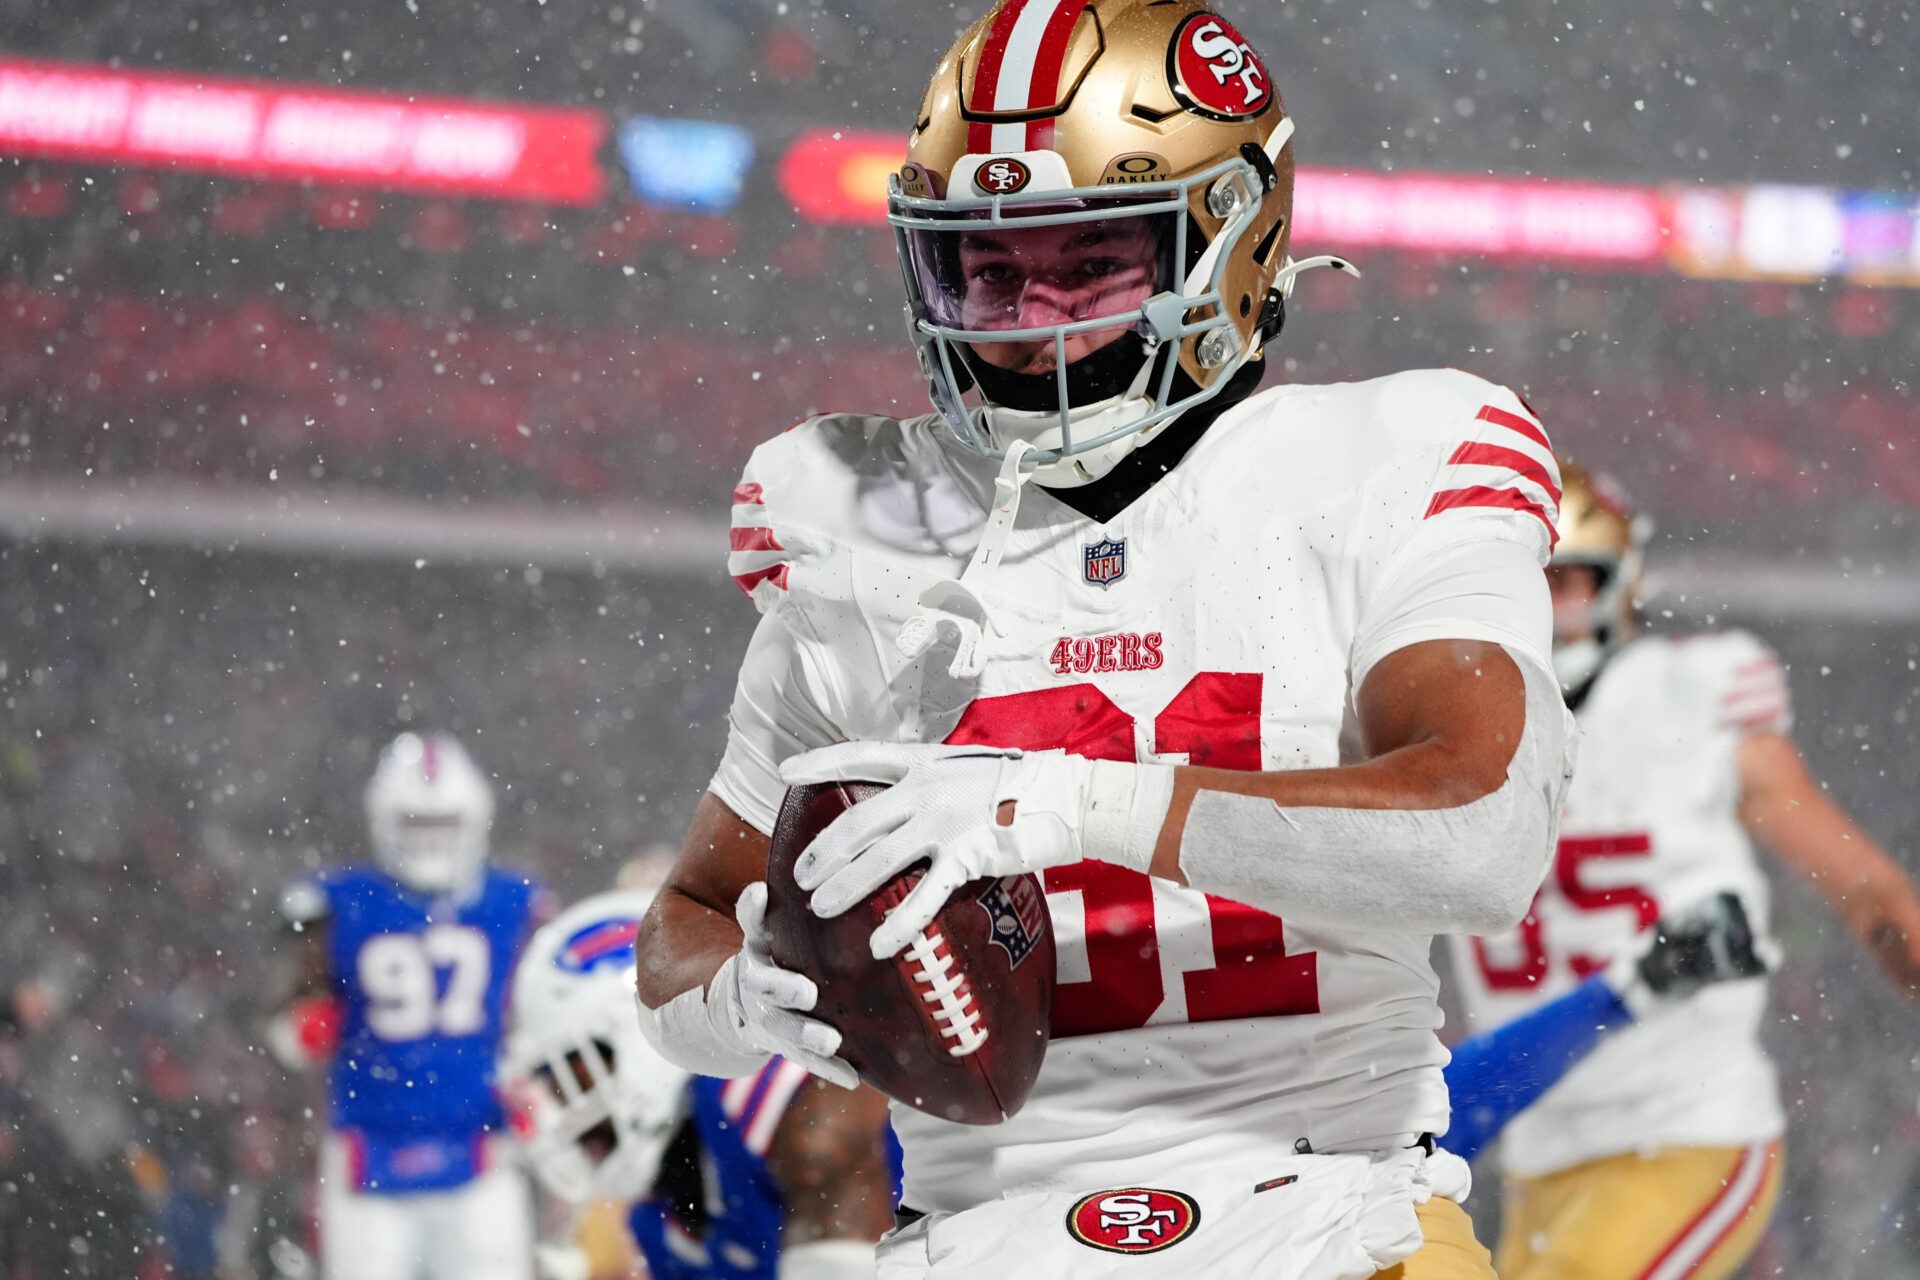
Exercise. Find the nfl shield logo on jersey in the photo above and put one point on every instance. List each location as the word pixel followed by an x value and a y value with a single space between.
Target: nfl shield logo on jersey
pixel 1105 562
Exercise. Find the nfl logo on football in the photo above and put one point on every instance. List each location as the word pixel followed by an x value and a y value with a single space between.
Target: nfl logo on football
pixel 1105 562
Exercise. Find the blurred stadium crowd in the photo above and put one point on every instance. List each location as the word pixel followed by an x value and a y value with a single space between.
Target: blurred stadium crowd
pixel 181 730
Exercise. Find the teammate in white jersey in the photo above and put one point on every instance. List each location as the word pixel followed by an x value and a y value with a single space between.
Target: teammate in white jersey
pixel 1257 682
pixel 1659 1155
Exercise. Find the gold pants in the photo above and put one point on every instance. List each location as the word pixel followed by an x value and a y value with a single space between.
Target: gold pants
pixel 1695 1212
pixel 1450 1253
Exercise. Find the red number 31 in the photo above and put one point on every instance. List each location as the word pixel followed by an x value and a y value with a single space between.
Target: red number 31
pixel 1215 721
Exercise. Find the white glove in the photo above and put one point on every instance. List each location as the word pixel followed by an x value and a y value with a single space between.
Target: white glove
pixel 770 1004
pixel 942 806
pixel 561 1262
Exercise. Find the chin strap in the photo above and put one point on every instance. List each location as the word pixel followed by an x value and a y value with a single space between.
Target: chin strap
pixel 952 608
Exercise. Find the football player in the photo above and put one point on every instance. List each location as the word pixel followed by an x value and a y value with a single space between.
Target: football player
pixel 1257 681
pixel 765 1175
pixel 401 990
pixel 1497 1074
pixel 1660 1154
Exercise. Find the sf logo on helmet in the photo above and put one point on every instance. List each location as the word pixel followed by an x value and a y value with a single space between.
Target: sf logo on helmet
pixel 1216 72
pixel 1002 177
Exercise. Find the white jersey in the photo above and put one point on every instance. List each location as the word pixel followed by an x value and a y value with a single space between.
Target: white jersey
pixel 1226 618
pixel 1651 825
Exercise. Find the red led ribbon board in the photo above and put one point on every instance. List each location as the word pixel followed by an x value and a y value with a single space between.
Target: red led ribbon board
pixel 839 176
pixel 278 133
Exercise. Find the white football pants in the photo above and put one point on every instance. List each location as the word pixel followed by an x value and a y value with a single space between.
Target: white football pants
pixel 1332 1217
pixel 482 1231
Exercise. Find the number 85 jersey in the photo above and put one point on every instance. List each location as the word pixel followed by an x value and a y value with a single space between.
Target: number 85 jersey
pixel 1651 826
pixel 1225 618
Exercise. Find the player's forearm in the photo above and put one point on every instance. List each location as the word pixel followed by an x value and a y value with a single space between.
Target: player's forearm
pixel 683 951
pixel 1411 840
pixel 1421 777
pixel 1497 1074
pixel 681 944
pixel 1818 840
pixel 689 931
pixel 688 942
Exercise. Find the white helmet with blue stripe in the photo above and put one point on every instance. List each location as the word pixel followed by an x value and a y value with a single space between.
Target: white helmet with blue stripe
pixel 602 1105
pixel 429 812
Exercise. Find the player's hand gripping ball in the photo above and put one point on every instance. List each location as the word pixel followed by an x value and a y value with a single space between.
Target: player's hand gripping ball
pixel 956 1024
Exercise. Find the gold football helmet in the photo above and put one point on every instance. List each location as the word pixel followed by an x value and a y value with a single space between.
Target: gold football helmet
pixel 1598 531
pixel 1153 125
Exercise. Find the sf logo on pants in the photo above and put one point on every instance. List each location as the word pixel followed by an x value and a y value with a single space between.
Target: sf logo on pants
pixel 1133 1219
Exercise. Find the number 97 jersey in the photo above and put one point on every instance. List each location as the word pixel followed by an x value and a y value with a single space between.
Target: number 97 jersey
pixel 422 982
pixel 1224 618
pixel 1651 826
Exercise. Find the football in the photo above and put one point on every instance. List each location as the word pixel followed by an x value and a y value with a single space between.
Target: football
pixel 955 1025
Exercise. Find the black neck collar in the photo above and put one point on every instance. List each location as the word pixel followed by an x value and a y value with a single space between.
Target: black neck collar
pixel 1140 470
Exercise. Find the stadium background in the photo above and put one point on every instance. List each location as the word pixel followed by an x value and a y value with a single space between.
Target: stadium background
pixel 296 452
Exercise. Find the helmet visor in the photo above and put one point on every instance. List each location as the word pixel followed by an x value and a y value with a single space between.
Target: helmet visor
pixel 1066 275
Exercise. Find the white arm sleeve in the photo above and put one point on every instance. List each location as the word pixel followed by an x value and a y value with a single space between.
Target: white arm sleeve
pixel 777 712
pixel 1469 869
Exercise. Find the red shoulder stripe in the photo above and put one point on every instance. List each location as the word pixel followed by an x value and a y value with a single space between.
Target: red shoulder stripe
pixel 1514 422
pixel 1482 496
pixel 748 491
pixel 1498 455
pixel 753 538
pixel 776 574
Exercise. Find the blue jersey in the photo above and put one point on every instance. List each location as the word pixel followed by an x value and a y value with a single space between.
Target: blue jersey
pixel 422 982
pixel 1497 1074
pixel 734 1121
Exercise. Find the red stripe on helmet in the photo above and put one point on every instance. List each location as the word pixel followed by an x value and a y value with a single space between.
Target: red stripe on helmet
pixel 986 77
pixel 1044 89
pixel 430 758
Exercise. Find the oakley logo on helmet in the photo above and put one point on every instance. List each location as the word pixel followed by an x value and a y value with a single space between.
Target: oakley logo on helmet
pixel 1215 72
pixel 1133 1220
pixel 1140 166
pixel 1002 177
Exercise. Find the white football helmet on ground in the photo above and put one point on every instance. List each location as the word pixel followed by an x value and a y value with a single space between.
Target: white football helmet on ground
pixel 429 809
pixel 602 1105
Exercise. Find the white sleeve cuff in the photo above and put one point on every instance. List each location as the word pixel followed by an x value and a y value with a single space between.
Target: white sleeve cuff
pixel 701 1030
pixel 1126 805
